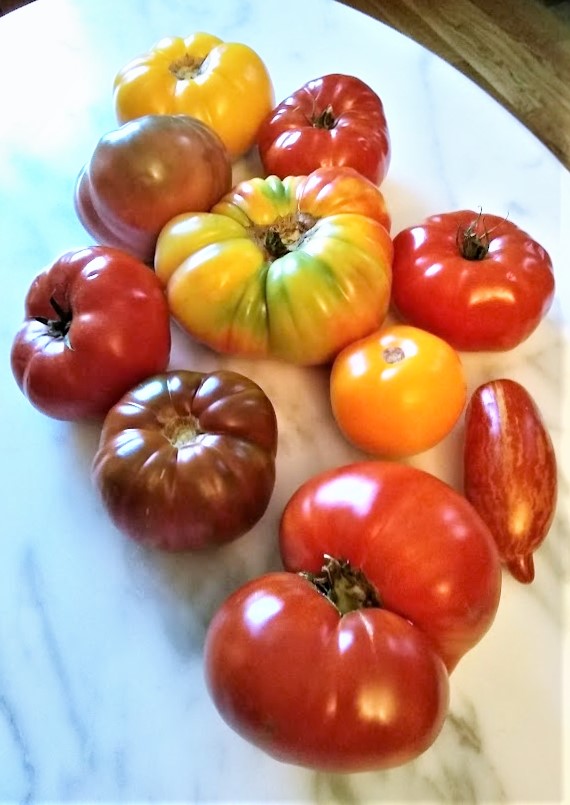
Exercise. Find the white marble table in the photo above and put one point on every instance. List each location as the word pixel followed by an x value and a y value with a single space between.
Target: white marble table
pixel 102 696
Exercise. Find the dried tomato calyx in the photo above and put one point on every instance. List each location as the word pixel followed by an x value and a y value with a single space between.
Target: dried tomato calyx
pixel 187 67
pixel 58 327
pixel 283 235
pixel 181 430
pixel 393 354
pixel 325 120
pixel 345 586
pixel 473 240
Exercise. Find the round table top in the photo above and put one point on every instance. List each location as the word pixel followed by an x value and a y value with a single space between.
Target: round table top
pixel 102 689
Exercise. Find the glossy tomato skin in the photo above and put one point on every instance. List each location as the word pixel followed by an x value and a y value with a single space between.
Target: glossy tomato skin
pixel 145 172
pixel 293 269
pixel 332 120
pixel 186 460
pixel 428 553
pixel 349 693
pixel 107 329
pixel 510 471
pixel 398 391
pixel 491 301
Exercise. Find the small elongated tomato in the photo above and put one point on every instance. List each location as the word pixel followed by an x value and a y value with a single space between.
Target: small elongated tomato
pixel 186 459
pixel 397 392
pixel 510 472
pixel 96 323
pixel 333 120
pixel 294 268
pixel 224 84
pixel 478 281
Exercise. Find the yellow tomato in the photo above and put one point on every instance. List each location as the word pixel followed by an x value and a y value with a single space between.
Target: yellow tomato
pixel 398 391
pixel 224 84
pixel 293 268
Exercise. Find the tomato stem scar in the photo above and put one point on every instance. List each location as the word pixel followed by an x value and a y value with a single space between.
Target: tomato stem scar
pixel 325 120
pixel 393 354
pixel 283 235
pixel 473 241
pixel 181 430
pixel 59 327
pixel 345 586
pixel 187 67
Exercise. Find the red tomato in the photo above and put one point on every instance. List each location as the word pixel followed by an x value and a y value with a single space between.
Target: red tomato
pixel 476 280
pixel 187 459
pixel 349 693
pixel 510 473
pixel 97 322
pixel 336 120
pixel 344 667
pixel 146 172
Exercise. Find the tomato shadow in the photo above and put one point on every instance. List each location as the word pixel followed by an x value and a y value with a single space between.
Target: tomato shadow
pixel 83 442
pixel 188 587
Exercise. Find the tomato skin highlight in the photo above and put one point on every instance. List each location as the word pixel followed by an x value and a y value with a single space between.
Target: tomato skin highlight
pixel 334 120
pixel 398 391
pixel 493 299
pixel 510 471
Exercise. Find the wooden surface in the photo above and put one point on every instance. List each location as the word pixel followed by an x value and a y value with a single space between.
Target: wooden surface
pixel 517 50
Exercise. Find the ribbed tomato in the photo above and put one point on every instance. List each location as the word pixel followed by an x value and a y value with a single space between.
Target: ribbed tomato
pixel 475 280
pixel 332 120
pixel 294 268
pixel 341 662
pixel 187 459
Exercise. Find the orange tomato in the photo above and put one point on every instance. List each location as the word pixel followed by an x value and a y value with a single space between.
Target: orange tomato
pixel 398 391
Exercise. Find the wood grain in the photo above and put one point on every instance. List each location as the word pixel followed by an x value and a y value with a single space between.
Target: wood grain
pixel 516 50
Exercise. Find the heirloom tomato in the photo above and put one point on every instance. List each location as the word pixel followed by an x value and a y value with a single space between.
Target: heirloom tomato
pixel 294 268
pixel 96 322
pixel 333 120
pixel 398 391
pixel 476 280
pixel 224 84
pixel 186 459
pixel 141 175
pixel 510 473
pixel 341 662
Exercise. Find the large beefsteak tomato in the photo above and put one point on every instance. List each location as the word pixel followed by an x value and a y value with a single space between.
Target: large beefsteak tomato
pixel 333 120
pixel 96 323
pixel 294 268
pixel 477 281
pixel 342 662
pixel 186 460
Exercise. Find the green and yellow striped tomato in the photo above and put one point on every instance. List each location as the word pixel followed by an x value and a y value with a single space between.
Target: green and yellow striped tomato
pixel 293 268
